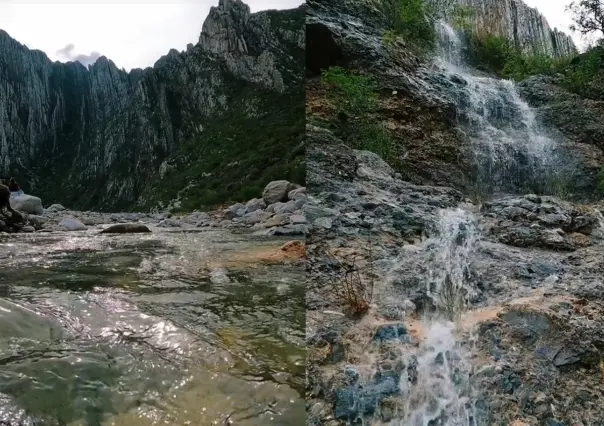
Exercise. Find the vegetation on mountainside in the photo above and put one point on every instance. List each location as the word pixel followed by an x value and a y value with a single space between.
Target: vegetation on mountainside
pixel 355 101
pixel 259 138
pixel 582 74
pixel 410 20
pixel 497 55
pixel 462 17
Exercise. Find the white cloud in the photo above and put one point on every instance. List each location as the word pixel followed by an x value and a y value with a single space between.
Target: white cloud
pixel 132 34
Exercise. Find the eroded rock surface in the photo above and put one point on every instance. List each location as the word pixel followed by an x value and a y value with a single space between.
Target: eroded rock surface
pixel 533 287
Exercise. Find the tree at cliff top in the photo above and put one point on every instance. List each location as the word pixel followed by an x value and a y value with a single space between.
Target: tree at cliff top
pixel 588 16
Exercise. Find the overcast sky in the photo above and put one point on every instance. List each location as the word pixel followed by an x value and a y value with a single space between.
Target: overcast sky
pixel 556 14
pixel 131 33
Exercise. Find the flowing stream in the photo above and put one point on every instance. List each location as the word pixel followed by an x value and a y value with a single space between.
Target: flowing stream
pixel 165 328
pixel 512 154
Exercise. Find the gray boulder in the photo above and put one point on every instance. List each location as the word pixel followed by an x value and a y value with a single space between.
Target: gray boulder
pixel 27 204
pixel 296 194
pixel 284 208
pixel 255 204
pixel 276 191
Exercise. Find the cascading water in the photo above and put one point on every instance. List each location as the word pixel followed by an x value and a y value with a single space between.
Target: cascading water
pixel 512 154
pixel 449 263
pixel 436 387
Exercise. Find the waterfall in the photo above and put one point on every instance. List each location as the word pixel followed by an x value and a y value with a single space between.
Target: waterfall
pixel 511 152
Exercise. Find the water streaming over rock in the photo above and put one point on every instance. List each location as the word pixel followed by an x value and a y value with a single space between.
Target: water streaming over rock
pixel 512 153
pixel 450 262
pixel 436 386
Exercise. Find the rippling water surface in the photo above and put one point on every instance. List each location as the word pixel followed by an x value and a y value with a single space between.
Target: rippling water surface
pixel 162 328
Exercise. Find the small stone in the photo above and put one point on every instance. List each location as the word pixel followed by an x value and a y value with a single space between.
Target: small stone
pixel 297 218
pixel 72 224
pixel 396 331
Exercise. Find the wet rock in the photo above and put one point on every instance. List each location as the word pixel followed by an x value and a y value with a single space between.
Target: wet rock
pixel 396 331
pixel 287 230
pixel 72 224
pixel 276 191
pixel 357 400
pixel 312 213
pixel 28 228
pixel 126 228
pixel 548 223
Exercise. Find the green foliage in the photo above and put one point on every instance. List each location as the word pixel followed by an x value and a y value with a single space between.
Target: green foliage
pixel 490 53
pixel 518 67
pixel 497 55
pixel 238 152
pixel 583 74
pixel 462 18
pixel 355 99
pixel 389 37
pixel 352 93
pixel 410 19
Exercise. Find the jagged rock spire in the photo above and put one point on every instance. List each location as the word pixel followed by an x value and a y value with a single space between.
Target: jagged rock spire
pixel 222 30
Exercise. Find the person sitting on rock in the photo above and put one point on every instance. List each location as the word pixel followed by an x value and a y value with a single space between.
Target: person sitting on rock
pixel 14 188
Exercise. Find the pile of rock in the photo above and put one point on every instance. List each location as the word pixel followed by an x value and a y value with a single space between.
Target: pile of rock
pixel 23 218
pixel 278 212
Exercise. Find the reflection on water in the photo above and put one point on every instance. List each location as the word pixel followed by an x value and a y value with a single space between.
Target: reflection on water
pixel 149 329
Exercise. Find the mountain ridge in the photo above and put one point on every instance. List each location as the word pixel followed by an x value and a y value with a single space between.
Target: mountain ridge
pixel 104 133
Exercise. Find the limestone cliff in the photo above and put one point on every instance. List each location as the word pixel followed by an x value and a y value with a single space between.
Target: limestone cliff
pixel 102 138
pixel 525 26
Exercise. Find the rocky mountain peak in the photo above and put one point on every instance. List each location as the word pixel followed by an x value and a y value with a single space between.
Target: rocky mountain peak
pixel 222 31
pixel 106 132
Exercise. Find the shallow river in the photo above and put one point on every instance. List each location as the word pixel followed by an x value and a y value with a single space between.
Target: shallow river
pixel 164 328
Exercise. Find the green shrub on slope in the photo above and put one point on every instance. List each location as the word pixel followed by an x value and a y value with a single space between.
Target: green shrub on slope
pixel 355 99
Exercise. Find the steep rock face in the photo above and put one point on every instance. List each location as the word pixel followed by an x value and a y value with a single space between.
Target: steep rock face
pixel 97 137
pixel 525 26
